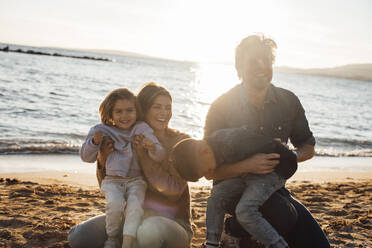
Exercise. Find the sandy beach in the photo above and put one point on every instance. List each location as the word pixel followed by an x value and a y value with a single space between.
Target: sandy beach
pixel 38 209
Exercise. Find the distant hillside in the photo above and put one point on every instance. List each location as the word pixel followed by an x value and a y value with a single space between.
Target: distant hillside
pixel 354 71
pixel 116 52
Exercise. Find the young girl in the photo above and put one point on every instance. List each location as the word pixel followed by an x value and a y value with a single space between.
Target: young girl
pixel 123 181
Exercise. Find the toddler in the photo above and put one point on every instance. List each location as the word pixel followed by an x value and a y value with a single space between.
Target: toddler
pixel 123 185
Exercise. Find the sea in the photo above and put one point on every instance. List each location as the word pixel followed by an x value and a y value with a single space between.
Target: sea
pixel 48 104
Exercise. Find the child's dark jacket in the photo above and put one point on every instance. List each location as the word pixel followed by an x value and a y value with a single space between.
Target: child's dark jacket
pixel 232 145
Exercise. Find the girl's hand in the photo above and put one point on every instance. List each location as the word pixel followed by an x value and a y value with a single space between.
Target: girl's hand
pixel 137 145
pixel 137 139
pixel 97 138
pixel 141 140
pixel 148 144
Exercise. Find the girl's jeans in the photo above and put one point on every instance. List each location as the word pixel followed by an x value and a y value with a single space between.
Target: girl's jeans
pixel 120 194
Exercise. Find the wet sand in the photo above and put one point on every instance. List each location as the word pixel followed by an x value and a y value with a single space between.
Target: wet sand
pixel 38 210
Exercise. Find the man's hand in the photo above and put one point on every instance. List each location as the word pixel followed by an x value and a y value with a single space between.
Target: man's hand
pixel 97 138
pixel 261 163
pixel 283 143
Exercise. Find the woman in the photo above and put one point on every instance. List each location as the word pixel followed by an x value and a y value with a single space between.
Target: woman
pixel 166 222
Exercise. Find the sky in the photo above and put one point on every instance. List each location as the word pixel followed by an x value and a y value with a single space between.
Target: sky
pixel 317 33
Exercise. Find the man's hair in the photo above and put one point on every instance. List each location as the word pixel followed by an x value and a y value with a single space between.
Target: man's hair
pixel 184 156
pixel 250 44
pixel 107 105
pixel 149 93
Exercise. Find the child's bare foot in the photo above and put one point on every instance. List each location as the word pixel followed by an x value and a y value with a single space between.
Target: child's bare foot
pixel 127 241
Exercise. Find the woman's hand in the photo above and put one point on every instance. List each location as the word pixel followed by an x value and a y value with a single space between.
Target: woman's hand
pixel 260 163
pixel 107 147
pixel 97 137
pixel 137 145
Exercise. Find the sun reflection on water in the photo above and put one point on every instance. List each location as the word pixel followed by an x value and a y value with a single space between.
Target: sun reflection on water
pixel 211 81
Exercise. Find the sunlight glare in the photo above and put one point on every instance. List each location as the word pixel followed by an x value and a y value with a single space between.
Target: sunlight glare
pixel 212 80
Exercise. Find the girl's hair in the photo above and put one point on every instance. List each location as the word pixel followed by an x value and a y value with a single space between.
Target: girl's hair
pixel 148 94
pixel 106 107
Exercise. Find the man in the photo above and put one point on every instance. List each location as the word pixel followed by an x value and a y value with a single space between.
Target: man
pixel 273 112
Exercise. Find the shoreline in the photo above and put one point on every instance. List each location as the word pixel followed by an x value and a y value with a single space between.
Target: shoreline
pixel 15 163
pixel 89 181
pixel 70 170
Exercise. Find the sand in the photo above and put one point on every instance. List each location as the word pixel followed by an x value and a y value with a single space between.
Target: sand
pixel 38 209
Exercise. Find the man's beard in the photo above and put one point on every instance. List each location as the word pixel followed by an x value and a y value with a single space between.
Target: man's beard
pixel 259 83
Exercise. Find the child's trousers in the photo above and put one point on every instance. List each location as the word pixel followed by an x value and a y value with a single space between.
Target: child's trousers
pixel 254 191
pixel 120 193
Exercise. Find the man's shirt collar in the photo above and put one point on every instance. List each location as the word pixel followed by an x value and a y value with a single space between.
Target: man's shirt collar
pixel 270 97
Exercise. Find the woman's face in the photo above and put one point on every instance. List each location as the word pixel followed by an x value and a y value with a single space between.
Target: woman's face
pixel 159 114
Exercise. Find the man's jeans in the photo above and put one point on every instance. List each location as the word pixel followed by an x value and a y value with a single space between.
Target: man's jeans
pixel 120 193
pixel 254 191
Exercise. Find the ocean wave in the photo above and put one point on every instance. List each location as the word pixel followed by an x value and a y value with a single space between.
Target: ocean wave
pixel 343 142
pixel 332 153
pixel 37 149
pixel 68 148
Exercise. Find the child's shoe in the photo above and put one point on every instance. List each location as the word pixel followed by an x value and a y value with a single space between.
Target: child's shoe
pixel 110 243
pixel 229 241
pixel 208 245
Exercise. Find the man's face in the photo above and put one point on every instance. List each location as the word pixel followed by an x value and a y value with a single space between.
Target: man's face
pixel 258 69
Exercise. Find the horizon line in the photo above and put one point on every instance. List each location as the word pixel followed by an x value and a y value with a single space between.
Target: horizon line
pixel 142 55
